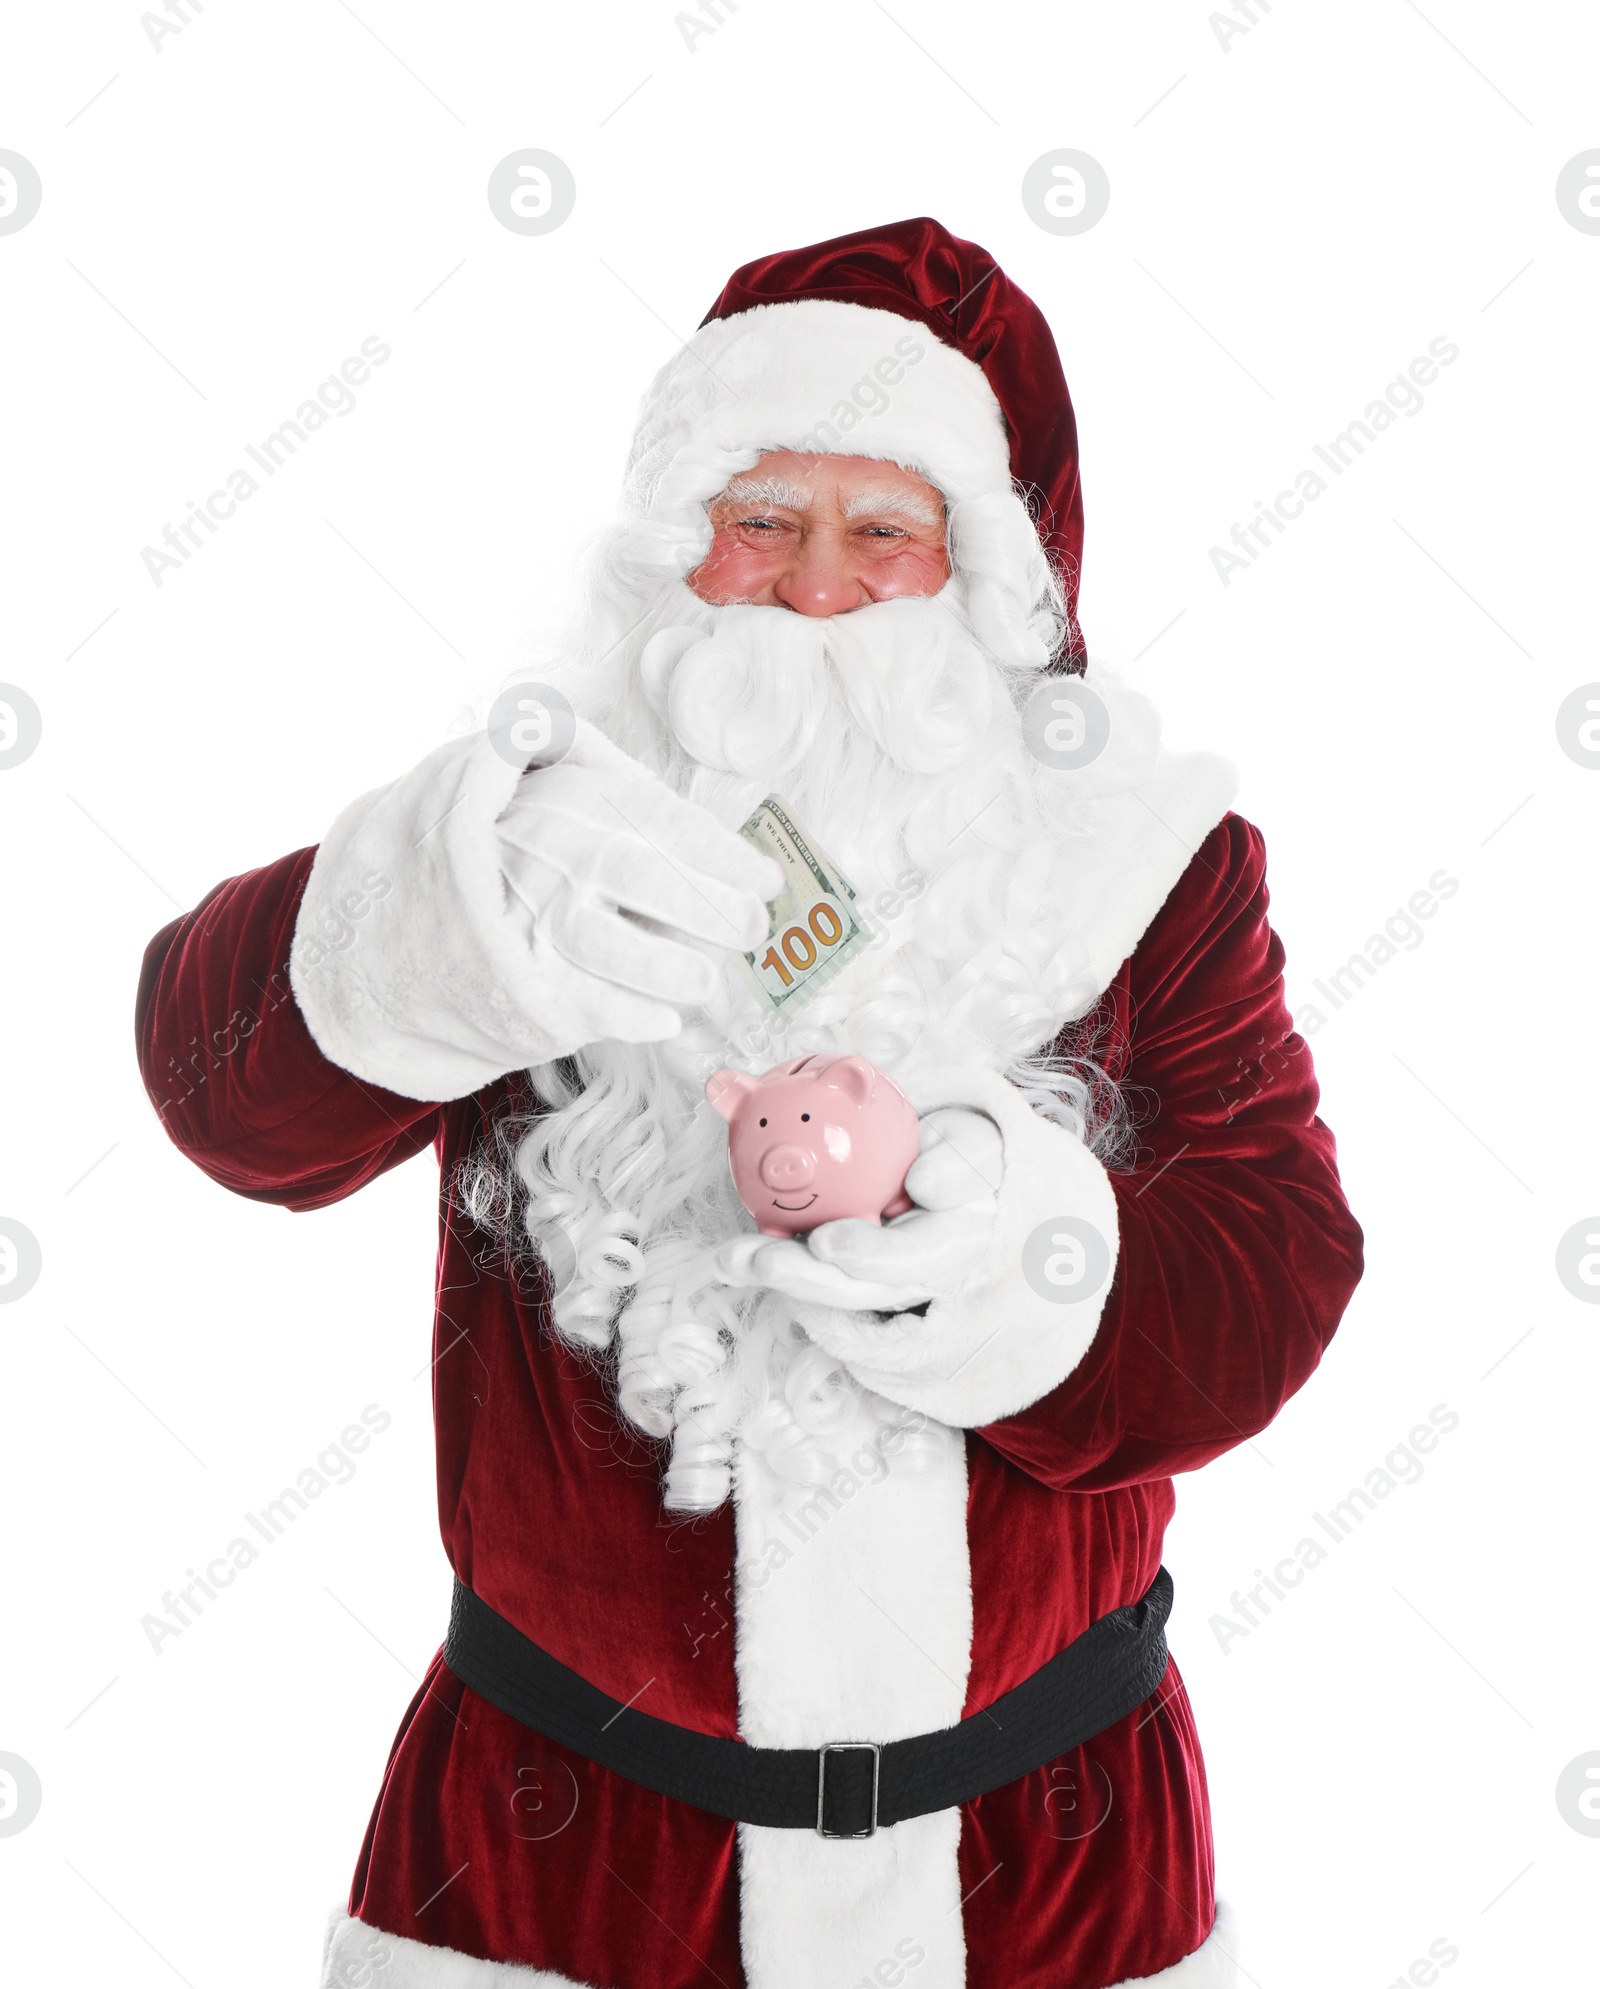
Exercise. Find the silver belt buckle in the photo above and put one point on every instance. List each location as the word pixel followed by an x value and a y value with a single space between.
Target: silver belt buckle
pixel 846 1747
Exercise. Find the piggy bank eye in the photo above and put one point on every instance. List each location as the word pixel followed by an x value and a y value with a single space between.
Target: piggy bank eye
pixel 761 1122
pixel 804 1116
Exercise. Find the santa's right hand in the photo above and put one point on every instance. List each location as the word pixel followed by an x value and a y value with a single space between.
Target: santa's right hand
pixel 626 892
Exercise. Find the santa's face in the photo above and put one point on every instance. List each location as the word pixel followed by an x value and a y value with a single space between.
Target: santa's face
pixel 821 535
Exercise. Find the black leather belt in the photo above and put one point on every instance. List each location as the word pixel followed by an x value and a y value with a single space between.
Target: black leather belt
pixel 847 1788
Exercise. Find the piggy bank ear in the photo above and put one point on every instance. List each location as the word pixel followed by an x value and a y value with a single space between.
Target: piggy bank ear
pixel 854 1076
pixel 726 1088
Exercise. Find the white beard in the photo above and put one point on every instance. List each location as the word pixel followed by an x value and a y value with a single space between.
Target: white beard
pixel 897 742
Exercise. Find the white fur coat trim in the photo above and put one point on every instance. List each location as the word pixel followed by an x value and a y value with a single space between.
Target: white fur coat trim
pixel 853 1612
pixel 356 1956
pixel 1143 811
pixel 1031 1310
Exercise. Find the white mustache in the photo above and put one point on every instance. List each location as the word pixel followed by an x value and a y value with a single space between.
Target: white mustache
pixel 750 690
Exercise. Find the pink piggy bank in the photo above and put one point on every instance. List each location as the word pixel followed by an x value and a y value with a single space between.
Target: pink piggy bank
pixel 816 1139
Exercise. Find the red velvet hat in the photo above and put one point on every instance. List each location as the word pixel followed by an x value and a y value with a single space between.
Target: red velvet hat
pixel 918 270
pixel 903 343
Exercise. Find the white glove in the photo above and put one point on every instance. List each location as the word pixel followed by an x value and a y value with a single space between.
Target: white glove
pixel 929 1253
pixel 992 1185
pixel 472 918
pixel 611 874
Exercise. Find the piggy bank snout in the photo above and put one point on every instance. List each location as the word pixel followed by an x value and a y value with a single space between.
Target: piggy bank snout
pixel 787 1167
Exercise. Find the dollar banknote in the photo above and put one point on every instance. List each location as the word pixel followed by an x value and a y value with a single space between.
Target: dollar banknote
pixel 814 929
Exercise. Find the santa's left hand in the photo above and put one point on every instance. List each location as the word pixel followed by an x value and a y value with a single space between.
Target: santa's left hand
pixel 949 1310
pixel 931 1252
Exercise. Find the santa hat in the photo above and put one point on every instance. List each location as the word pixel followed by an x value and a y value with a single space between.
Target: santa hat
pixel 903 343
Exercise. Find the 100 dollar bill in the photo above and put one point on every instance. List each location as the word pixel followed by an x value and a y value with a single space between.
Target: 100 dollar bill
pixel 814 929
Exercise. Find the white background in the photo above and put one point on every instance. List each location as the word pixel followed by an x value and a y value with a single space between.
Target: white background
pixel 1292 220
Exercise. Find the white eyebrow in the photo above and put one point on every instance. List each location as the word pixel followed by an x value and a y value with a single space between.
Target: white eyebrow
pixel 766 490
pixel 885 503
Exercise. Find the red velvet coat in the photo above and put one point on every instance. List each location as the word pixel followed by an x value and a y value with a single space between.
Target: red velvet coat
pixel 1238 1255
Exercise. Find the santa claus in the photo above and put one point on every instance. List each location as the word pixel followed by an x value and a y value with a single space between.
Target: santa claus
pixel 809 1619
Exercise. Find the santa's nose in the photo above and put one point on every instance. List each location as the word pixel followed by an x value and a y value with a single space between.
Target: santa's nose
pixel 787 1167
pixel 819 582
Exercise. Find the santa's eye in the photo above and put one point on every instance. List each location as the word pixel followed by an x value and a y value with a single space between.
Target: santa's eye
pixel 804 1116
pixel 762 1122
